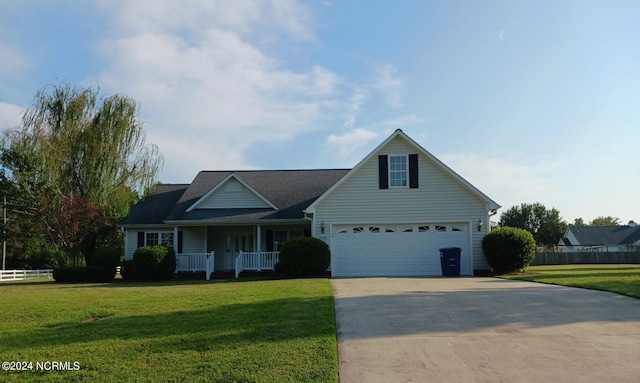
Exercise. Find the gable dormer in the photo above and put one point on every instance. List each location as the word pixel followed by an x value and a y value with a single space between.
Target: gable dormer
pixel 232 193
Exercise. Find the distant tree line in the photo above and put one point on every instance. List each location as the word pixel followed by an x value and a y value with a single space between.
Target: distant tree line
pixel 598 221
pixel 546 225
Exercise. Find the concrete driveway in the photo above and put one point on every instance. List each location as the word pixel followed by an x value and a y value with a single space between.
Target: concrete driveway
pixel 483 330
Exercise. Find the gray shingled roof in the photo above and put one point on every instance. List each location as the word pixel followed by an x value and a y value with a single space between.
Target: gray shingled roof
pixel 606 235
pixel 291 191
pixel 154 208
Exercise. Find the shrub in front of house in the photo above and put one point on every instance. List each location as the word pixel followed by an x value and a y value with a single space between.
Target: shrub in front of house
pixel 509 249
pixel 127 270
pixel 154 262
pixel 83 274
pixel 106 257
pixel 304 257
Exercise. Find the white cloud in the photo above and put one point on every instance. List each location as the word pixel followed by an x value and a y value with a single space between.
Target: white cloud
pixel 213 81
pixel 507 181
pixel 205 78
pixel 348 142
pixel 404 120
pixel 354 105
pixel 190 17
pixel 13 62
pixel 10 115
pixel 389 84
pixel 500 35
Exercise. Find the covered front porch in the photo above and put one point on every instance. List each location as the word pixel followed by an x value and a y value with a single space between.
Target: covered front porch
pixel 232 248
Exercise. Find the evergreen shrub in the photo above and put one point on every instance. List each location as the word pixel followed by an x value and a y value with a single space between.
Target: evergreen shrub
pixel 301 257
pixel 509 249
pixel 154 262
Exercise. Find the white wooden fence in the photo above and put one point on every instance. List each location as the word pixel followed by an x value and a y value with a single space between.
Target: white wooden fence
pixel 256 261
pixel 193 262
pixel 22 275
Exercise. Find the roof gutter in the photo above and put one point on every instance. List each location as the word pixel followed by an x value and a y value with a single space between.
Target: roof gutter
pixel 202 223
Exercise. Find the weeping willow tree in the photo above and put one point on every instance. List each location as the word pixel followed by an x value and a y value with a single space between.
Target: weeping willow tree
pixel 77 150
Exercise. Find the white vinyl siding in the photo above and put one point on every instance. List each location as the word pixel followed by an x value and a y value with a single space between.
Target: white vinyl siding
pixel 232 195
pixel 193 239
pixel 440 198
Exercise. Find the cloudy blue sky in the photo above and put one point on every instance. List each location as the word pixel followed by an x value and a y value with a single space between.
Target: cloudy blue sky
pixel 531 101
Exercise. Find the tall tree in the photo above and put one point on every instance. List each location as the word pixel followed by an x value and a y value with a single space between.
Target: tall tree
pixel 605 221
pixel 546 225
pixel 75 150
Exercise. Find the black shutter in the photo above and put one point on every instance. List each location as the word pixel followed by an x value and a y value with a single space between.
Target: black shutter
pixel 383 172
pixel 179 242
pixel 269 240
pixel 413 171
pixel 140 238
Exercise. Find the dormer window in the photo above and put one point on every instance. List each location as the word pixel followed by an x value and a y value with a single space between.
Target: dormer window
pixel 398 171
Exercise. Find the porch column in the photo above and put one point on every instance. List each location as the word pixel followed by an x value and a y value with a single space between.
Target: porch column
pixel 259 238
pixel 175 239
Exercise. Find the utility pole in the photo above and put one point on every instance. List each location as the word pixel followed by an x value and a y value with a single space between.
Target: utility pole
pixel 4 233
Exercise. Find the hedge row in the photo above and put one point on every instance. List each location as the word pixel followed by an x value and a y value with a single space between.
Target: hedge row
pixel 101 267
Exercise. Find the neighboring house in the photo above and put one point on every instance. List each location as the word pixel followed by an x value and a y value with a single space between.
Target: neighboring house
pixel 388 216
pixel 601 238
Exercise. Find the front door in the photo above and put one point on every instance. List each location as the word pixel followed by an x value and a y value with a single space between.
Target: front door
pixel 235 242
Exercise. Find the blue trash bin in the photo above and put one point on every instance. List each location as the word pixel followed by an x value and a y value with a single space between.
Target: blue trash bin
pixel 450 261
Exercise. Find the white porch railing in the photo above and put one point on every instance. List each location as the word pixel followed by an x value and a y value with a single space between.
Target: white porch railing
pixel 21 275
pixel 194 262
pixel 256 261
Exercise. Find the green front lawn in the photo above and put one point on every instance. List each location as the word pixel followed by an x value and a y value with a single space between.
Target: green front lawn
pixel 258 331
pixel 621 279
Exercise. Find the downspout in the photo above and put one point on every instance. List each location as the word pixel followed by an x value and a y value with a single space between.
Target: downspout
pixel 259 238
pixel 309 216
pixel 175 239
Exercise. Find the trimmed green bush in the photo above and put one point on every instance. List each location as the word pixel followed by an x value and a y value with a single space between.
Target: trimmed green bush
pixel 509 249
pixel 83 274
pixel 304 257
pixel 154 262
pixel 106 257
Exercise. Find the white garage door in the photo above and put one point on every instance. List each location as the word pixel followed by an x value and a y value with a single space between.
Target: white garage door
pixel 396 250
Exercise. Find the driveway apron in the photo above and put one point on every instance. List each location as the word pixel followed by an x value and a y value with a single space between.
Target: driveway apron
pixel 483 330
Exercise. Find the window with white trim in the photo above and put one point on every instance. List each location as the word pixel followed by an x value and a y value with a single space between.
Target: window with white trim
pixel 398 173
pixel 282 236
pixel 158 238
